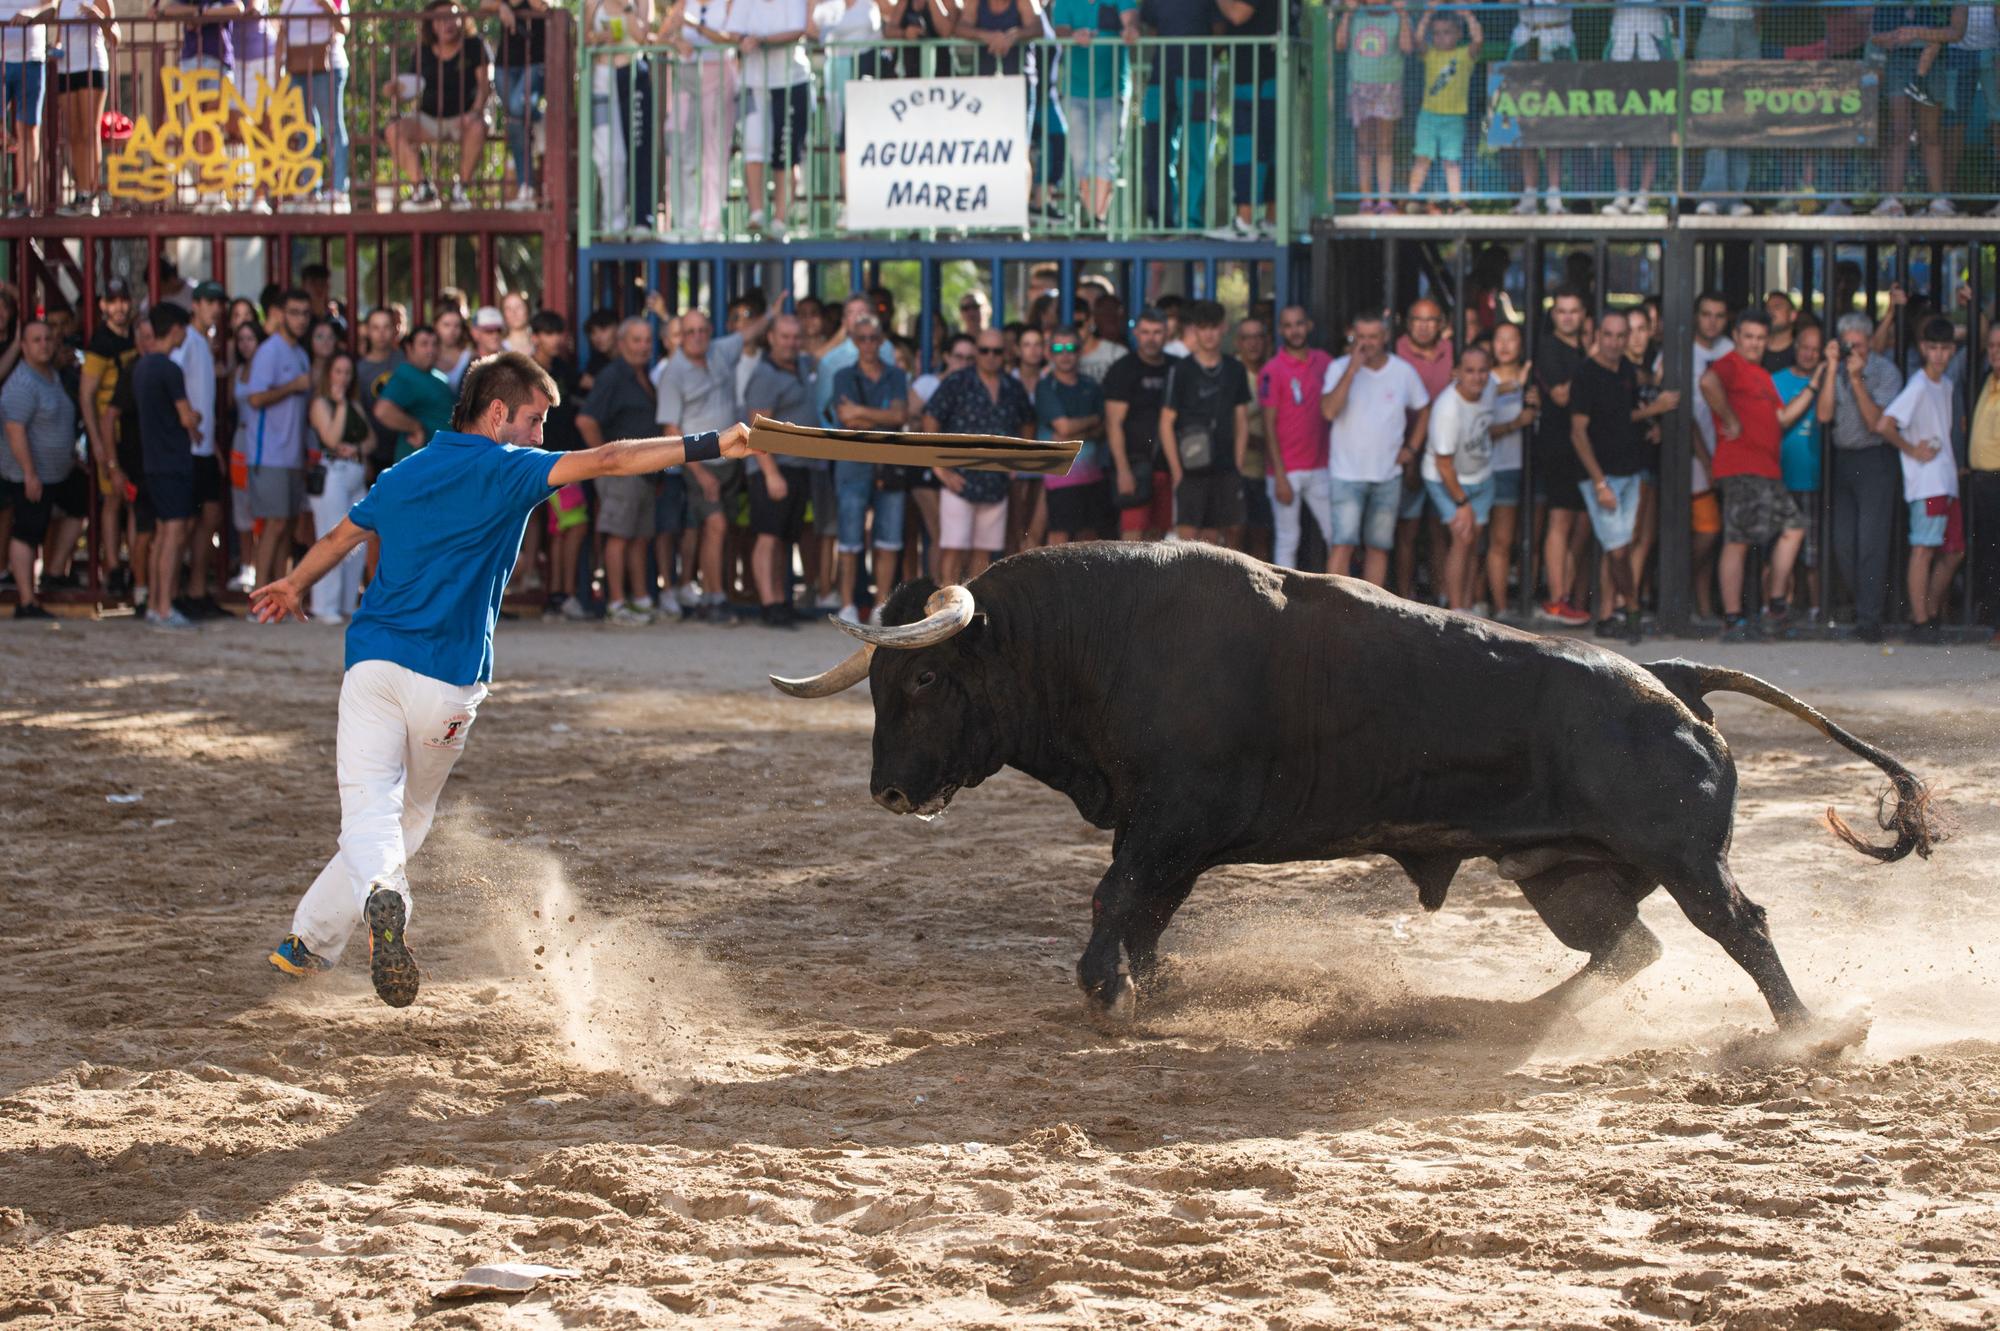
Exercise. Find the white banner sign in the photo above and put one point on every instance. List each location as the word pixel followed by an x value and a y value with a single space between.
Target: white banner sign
pixel 937 154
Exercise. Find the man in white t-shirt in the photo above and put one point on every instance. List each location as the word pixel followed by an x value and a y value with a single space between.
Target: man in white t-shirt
pixel 1379 411
pixel 1458 466
pixel 197 362
pixel 1711 344
pixel 1919 424
pixel 775 83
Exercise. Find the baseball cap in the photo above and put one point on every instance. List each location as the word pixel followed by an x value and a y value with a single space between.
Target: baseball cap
pixel 210 291
pixel 116 289
pixel 488 317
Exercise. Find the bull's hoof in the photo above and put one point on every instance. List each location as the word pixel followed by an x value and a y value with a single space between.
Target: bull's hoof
pixel 1808 1040
pixel 1115 1003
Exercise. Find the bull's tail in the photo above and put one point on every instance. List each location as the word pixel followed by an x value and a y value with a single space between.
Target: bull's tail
pixel 1910 819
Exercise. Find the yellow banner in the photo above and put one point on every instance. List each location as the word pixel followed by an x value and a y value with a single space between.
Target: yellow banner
pixel 205 113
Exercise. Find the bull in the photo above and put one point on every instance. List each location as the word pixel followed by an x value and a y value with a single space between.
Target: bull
pixel 1212 710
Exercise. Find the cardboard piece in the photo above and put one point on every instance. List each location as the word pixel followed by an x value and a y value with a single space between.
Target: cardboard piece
pixel 972 452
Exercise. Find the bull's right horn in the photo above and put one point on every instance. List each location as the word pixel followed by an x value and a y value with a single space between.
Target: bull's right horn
pixel 843 676
pixel 947 612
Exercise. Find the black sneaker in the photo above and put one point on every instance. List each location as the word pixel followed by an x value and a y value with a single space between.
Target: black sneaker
pixel 718 614
pixel 1633 630
pixel 779 617
pixel 60 582
pixel 1609 627
pixel 390 963
pixel 1738 628
pixel 31 610
pixel 118 583
pixel 213 609
pixel 1870 633
pixel 189 607
pixel 1925 635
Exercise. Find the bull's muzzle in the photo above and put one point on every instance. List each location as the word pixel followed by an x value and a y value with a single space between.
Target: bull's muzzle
pixel 946 614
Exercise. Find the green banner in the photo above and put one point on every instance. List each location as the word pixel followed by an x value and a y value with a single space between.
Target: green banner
pixel 1637 104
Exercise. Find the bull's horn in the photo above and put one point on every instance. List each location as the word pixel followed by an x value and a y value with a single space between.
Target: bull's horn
pixel 843 676
pixel 948 611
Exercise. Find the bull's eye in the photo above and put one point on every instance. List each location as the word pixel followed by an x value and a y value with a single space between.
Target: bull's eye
pixel 923 681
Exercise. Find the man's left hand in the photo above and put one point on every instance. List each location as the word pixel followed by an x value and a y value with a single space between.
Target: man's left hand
pixel 270 603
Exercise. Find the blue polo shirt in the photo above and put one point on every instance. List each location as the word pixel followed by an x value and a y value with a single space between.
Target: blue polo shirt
pixel 451 517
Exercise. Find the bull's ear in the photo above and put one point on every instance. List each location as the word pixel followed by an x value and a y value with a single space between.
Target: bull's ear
pixel 906 604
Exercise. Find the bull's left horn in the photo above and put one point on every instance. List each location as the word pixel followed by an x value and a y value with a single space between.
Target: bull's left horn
pixel 843 676
pixel 947 612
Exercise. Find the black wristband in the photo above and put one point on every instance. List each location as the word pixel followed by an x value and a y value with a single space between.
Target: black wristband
pixel 703 447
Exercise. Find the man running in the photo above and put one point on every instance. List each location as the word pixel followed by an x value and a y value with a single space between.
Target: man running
pixel 420 648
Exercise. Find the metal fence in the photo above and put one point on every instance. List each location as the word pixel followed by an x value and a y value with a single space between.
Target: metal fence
pixel 1721 107
pixel 286 114
pixel 1178 137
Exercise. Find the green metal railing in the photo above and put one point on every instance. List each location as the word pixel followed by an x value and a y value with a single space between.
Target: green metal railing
pixel 1195 139
pixel 1828 106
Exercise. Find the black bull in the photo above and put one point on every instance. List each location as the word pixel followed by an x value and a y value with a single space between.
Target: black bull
pixel 1214 710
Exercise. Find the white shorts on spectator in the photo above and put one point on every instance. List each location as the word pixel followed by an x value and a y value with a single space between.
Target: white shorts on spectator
pixel 963 526
pixel 399 736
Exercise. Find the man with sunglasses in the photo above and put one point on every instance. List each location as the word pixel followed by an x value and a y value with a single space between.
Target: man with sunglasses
pixel 1070 405
pixel 972 511
pixel 870 394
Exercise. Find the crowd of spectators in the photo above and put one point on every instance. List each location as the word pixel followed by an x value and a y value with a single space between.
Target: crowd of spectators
pixel 219 435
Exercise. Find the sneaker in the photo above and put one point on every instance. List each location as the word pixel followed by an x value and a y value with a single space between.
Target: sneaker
pixel 1609 627
pixel 779 617
pixel 847 614
pixel 1640 205
pixel 1740 628
pixel 1633 633
pixel 552 610
pixel 1888 208
pixel 625 616
pixel 776 230
pixel 295 959
pixel 1574 616
pixel 1869 633
pixel 1741 210
pixel 423 199
pixel 1708 208
pixel 1618 207
pixel 756 220
pixel 459 198
pixel 1925 635
pixel 1994 211
pixel 643 604
pixel 390 963
pixel 1244 229
pixel 118 583
pixel 187 607
pixel 171 622
pixel 31 610
pixel 1553 204
pixel 827 601
pixel 1526 207
pixel 687 597
pixel 1842 208
pixel 1941 207
pixel 340 201
pixel 524 200
pixel 574 609
pixel 717 614
pixel 1919 94
pixel 213 609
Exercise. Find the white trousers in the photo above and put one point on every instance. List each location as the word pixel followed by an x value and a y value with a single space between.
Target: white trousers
pixel 1311 489
pixel 607 146
pixel 340 590
pixel 701 112
pixel 400 735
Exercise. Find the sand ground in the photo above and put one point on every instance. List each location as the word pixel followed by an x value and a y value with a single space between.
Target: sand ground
pixel 701 1023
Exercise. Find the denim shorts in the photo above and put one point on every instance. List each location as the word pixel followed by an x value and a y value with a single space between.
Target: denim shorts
pixel 1614 527
pixel 1364 512
pixel 1480 496
pixel 1412 505
pixel 21 85
pixel 1507 487
pixel 854 483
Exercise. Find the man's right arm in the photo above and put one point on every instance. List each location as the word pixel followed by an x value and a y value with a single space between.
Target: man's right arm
pixel 1334 401
pixel 17 440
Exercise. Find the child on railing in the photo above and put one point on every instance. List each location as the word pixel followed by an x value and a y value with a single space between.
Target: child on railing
pixel 1451 49
pixel 1375 40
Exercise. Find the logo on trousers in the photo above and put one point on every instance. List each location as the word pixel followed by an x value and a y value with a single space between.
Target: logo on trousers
pixel 454 732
